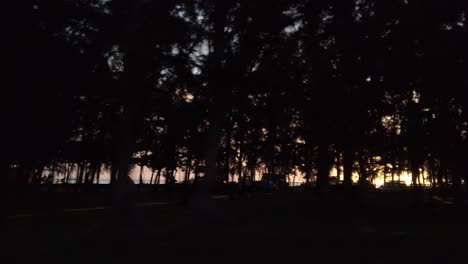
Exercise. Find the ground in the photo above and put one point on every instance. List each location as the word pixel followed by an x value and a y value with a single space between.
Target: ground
pixel 283 227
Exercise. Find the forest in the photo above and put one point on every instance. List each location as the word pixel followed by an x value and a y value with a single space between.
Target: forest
pixel 123 120
pixel 229 88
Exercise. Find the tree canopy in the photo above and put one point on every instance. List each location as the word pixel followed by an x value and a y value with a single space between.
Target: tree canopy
pixel 234 87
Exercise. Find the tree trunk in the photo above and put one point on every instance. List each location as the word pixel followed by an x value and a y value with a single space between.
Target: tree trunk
pixel 347 166
pixel 69 172
pixel 252 173
pixel 187 170
pixel 239 169
pixel 393 172
pixel 186 181
pixel 81 169
pixel 216 89
pixel 362 168
pixel 98 173
pixel 152 176
pixel 142 166
pixel 158 177
pixel 38 174
pixel 433 175
pixel 227 155
pixel 423 178
pixel 338 166
pixel 322 167
pixel 91 173
pixel 414 174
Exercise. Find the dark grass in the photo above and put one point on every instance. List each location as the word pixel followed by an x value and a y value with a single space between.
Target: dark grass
pixel 290 228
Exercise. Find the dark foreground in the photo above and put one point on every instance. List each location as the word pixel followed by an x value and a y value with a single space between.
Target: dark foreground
pixel 288 228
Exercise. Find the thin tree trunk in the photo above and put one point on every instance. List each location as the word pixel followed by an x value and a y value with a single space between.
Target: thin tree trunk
pixel 186 181
pixel 187 170
pixel 69 172
pixel 98 173
pixel 113 174
pixel 322 176
pixel 393 172
pixel 433 175
pixel 81 174
pixel 252 173
pixel 152 175
pixel 141 173
pixel 158 177
pixel 227 154
pixel 338 167
pixel 239 169
pixel 38 174
pixel 53 171
pixel 347 166
pixel 91 173
pixel 142 165
pixel 423 178
pixel 362 167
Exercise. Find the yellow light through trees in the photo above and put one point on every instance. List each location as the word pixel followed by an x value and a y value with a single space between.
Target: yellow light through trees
pixel 378 180
pixel 406 177
pixel 188 97
pixel 300 141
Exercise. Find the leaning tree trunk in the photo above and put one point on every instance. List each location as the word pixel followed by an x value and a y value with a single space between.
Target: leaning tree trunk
pixel 152 176
pixel 158 177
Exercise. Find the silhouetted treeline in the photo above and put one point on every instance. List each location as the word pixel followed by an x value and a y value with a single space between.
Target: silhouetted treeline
pixel 226 87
